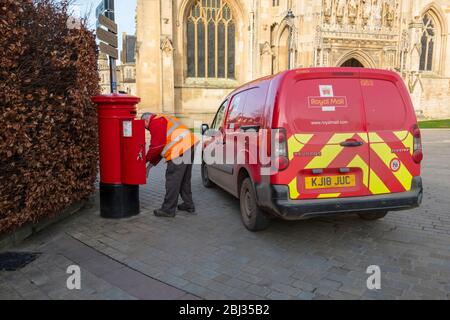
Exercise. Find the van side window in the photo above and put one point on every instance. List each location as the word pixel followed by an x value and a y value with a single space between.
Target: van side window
pixel 235 110
pixel 254 107
pixel 218 120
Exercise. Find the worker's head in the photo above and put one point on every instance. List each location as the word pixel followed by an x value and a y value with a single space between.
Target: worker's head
pixel 147 117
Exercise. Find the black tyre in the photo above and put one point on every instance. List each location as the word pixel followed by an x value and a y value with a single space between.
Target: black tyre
pixel 253 217
pixel 205 177
pixel 372 216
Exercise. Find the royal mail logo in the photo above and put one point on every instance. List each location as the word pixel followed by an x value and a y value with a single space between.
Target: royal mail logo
pixel 327 101
pixel 320 102
pixel 326 91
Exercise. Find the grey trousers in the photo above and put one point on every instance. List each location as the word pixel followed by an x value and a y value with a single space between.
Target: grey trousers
pixel 178 183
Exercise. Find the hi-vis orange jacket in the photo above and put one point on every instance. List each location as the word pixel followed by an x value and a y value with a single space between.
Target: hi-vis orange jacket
pixel 170 139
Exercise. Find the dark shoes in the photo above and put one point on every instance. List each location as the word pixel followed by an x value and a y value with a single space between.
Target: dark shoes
pixel 162 214
pixel 184 207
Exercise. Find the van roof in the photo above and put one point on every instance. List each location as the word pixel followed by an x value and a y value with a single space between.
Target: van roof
pixel 331 71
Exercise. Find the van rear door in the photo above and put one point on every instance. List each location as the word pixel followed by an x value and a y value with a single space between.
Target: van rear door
pixel 390 120
pixel 328 144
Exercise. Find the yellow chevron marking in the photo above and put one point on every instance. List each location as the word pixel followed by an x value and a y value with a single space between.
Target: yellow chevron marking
pixel 293 190
pixel 303 138
pixel 297 143
pixel 385 153
pixel 401 135
pixel 407 141
pixel 377 185
pixel 375 138
pixel 340 137
pixel 358 162
pixel 328 195
pixel 329 152
pixel 364 137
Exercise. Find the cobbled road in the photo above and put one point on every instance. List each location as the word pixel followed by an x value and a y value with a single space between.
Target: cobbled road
pixel 212 256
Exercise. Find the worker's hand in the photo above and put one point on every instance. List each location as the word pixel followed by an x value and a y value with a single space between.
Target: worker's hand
pixel 149 166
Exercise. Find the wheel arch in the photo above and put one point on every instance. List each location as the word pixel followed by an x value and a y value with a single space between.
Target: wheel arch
pixel 242 175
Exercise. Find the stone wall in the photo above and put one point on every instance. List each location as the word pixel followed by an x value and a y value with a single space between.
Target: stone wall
pixel 435 100
pixel 378 33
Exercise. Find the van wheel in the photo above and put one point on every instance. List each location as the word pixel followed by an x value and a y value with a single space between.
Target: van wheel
pixel 253 217
pixel 372 216
pixel 205 177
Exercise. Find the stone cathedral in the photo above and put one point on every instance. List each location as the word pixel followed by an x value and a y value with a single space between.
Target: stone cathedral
pixel 192 53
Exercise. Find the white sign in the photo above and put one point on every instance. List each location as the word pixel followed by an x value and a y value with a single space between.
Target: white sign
pixel 128 129
pixel 395 165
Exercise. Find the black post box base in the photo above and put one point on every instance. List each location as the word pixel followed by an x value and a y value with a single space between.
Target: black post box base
pixel 119 201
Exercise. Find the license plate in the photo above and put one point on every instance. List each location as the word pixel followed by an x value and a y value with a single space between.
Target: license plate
pixel 330 182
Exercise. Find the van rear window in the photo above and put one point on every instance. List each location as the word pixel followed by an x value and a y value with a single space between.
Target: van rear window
pixel 385 108
pixel 326 105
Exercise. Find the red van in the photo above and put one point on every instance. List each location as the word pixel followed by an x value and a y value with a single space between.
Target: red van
pixel 340 140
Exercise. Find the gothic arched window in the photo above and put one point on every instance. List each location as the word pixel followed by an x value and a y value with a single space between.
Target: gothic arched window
pixel 210 40
pixel 428 42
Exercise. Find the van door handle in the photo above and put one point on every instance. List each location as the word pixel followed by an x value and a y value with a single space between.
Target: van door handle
pixel 251 128
pixel 352 143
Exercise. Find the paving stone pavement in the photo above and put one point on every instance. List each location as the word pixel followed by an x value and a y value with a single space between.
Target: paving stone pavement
pixel 212 256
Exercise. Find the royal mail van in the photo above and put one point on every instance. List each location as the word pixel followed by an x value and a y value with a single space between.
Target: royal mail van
pixel 341 141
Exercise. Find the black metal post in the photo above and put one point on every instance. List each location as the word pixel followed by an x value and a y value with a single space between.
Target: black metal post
pixel 109 13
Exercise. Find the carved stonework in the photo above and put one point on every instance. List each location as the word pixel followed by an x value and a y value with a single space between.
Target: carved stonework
pixel 326 56
pixel 266 49
pixel 166 46
pixel 366 11
pixel 340 11
pixel 361 14
pixel 376 12
pixel 327 10
pixel 389 13
pixel 389 58
pixel 352 11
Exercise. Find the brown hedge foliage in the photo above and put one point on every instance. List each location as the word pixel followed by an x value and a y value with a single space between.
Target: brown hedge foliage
pixel 48 125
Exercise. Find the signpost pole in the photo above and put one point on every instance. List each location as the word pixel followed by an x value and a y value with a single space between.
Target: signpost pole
pixel 112 70
pixel 108 38
pixel 112 62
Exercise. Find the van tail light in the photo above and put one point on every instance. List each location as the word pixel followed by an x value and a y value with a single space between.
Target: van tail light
pixel 280 149
pixel 417 150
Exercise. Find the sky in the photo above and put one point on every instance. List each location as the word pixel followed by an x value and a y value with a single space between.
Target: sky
pixel 125 12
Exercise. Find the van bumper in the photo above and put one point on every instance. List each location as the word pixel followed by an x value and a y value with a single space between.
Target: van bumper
pixel 275 199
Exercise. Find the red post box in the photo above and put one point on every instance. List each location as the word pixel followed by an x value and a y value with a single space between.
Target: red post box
pixel 122 155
